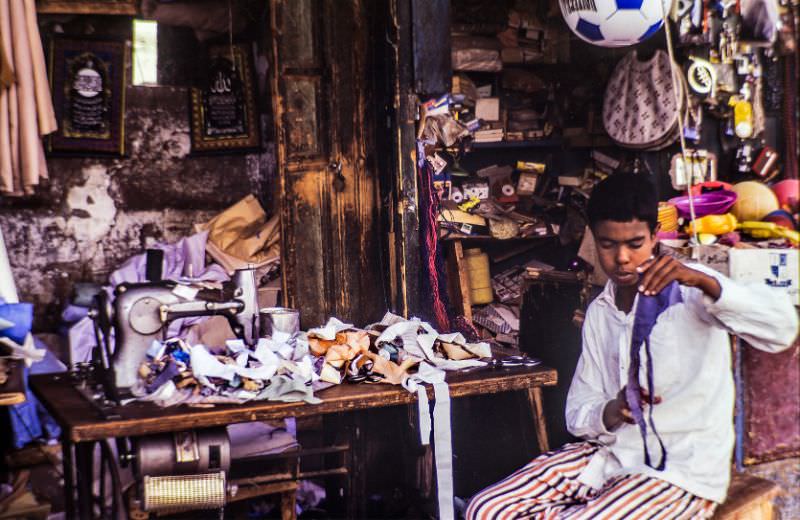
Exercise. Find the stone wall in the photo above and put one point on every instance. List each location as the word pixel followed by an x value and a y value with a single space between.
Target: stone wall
pixel 96 212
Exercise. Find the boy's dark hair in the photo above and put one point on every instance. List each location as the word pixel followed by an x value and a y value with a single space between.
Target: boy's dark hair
pixel 623 197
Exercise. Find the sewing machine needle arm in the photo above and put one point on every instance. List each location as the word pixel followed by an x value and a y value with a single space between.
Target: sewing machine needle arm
pixel 178 310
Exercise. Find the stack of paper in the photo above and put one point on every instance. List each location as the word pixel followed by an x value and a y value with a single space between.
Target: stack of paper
pixel 489 135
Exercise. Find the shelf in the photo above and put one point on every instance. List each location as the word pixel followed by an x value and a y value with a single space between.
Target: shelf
pixel 558 142
pixel 539 143
pixel 486 238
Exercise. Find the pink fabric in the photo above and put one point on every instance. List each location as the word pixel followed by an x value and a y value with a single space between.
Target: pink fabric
pixel 26 107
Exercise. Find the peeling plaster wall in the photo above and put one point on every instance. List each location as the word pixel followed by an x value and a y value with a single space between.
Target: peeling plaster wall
pixel 96 212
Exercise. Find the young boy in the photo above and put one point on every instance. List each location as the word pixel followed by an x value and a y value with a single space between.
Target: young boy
pixel 692 406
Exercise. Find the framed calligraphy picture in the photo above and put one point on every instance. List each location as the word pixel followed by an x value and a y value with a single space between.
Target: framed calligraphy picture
pixel 224 113
pixel 88 80
pixel 123 7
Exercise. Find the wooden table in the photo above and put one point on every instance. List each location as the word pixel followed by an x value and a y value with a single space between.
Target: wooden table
pixel 82 424
pixel 12 390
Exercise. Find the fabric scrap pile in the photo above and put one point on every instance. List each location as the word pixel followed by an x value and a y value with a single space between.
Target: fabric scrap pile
pixel 386 351
pixel 176 372
pixel 290 368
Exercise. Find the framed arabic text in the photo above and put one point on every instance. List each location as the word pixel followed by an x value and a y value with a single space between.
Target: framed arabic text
pixel 119 7
pixel 224 114
pixel 88 80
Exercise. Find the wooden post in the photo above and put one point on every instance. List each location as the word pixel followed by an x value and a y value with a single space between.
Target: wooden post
pixel 537 409
pixel 458 280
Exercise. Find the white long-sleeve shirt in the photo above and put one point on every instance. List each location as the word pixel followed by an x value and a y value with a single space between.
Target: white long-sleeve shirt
pixel 692 374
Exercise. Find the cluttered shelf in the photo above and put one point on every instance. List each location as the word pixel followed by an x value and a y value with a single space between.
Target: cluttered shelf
pixel 576 141
pixel 489 238
pixel 543 143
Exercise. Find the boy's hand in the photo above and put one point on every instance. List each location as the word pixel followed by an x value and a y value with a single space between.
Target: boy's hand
pixel 617 411
pixel 657 272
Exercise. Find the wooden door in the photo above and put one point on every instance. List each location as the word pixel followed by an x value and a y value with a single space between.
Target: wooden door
pixel 328 183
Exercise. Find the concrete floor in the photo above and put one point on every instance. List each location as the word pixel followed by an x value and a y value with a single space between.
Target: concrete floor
pixel 786 473
pixel 46 483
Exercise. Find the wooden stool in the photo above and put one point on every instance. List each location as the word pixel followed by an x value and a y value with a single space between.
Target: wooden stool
pixel 749 498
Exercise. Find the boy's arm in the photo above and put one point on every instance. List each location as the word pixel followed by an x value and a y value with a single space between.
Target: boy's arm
pixel 762 316
pixel 586 399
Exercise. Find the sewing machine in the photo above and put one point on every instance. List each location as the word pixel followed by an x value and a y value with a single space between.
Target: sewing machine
pixel 142 312
pixel 181 469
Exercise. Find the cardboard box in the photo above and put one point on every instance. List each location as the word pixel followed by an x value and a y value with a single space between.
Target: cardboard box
pixel 488 109
pixel 774 267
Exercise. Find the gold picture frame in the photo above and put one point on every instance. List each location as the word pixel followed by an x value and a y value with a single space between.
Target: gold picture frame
pixel 115 7
pixel 224 115
pixel 88 80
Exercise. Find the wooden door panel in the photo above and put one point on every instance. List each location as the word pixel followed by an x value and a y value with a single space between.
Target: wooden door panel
pixel 301 119
pixel 330 213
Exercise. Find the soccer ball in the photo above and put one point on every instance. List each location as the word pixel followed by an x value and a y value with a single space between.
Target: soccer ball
pixel 614 23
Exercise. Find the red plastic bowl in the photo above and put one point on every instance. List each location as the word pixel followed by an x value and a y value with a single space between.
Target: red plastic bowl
pixel 711 203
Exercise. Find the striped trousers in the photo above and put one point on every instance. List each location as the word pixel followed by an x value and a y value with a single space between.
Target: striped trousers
pixel 547 488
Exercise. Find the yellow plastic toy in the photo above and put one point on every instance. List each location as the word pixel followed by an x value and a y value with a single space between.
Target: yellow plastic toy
pixel 469 204
pixel 770 230
pixel 713 224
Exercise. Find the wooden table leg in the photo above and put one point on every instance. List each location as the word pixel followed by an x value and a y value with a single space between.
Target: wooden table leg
pixel 537 409
pixel 84 458
pixel 68 467
pixel 289 505
pixel 422 466
pixel 356 501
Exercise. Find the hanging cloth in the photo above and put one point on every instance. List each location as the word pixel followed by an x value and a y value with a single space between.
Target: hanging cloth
pixel 648 309
pixel 442 442
pixel 26 106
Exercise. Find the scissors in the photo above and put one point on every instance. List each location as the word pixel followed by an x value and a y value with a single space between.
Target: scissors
pixel 513 361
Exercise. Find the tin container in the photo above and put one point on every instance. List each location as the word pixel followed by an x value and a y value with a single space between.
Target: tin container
pixel 278 319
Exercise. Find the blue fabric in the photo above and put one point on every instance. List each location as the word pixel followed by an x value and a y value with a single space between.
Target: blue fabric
pixel 648 309
pixel 21 315
pixel 29 420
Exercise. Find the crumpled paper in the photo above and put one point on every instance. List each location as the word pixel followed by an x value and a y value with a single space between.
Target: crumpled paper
pixel 284 368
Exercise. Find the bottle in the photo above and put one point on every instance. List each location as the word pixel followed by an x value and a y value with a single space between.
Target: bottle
pixel 480 281
pixel 743 119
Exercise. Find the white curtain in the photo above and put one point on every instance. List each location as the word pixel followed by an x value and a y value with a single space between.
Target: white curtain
pixel 26 107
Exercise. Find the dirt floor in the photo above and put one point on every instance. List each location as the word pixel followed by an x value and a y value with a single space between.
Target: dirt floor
pixel 786 473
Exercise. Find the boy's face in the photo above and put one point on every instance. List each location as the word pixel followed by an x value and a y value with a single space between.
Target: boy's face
pixel 622 247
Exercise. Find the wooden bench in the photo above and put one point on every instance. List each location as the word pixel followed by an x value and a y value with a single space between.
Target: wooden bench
pixel 749 498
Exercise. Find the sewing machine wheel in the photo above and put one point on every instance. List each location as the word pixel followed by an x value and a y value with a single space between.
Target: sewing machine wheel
pixel 144 316
pixel 109 462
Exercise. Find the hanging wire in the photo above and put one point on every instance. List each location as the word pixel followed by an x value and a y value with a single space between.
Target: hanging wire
pixel 675 86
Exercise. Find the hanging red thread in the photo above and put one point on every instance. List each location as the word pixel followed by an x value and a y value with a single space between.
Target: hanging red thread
pixel 432 244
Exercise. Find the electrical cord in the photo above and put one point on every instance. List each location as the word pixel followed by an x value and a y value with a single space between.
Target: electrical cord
pixel 675 87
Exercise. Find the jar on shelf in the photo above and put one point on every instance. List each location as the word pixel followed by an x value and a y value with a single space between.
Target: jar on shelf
pixel 480 280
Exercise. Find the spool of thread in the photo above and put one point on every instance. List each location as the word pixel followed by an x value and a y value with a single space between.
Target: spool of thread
pixel 667 217
pixel 480 280
pixel 743 119
pixel 456 195
pixel 507 190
